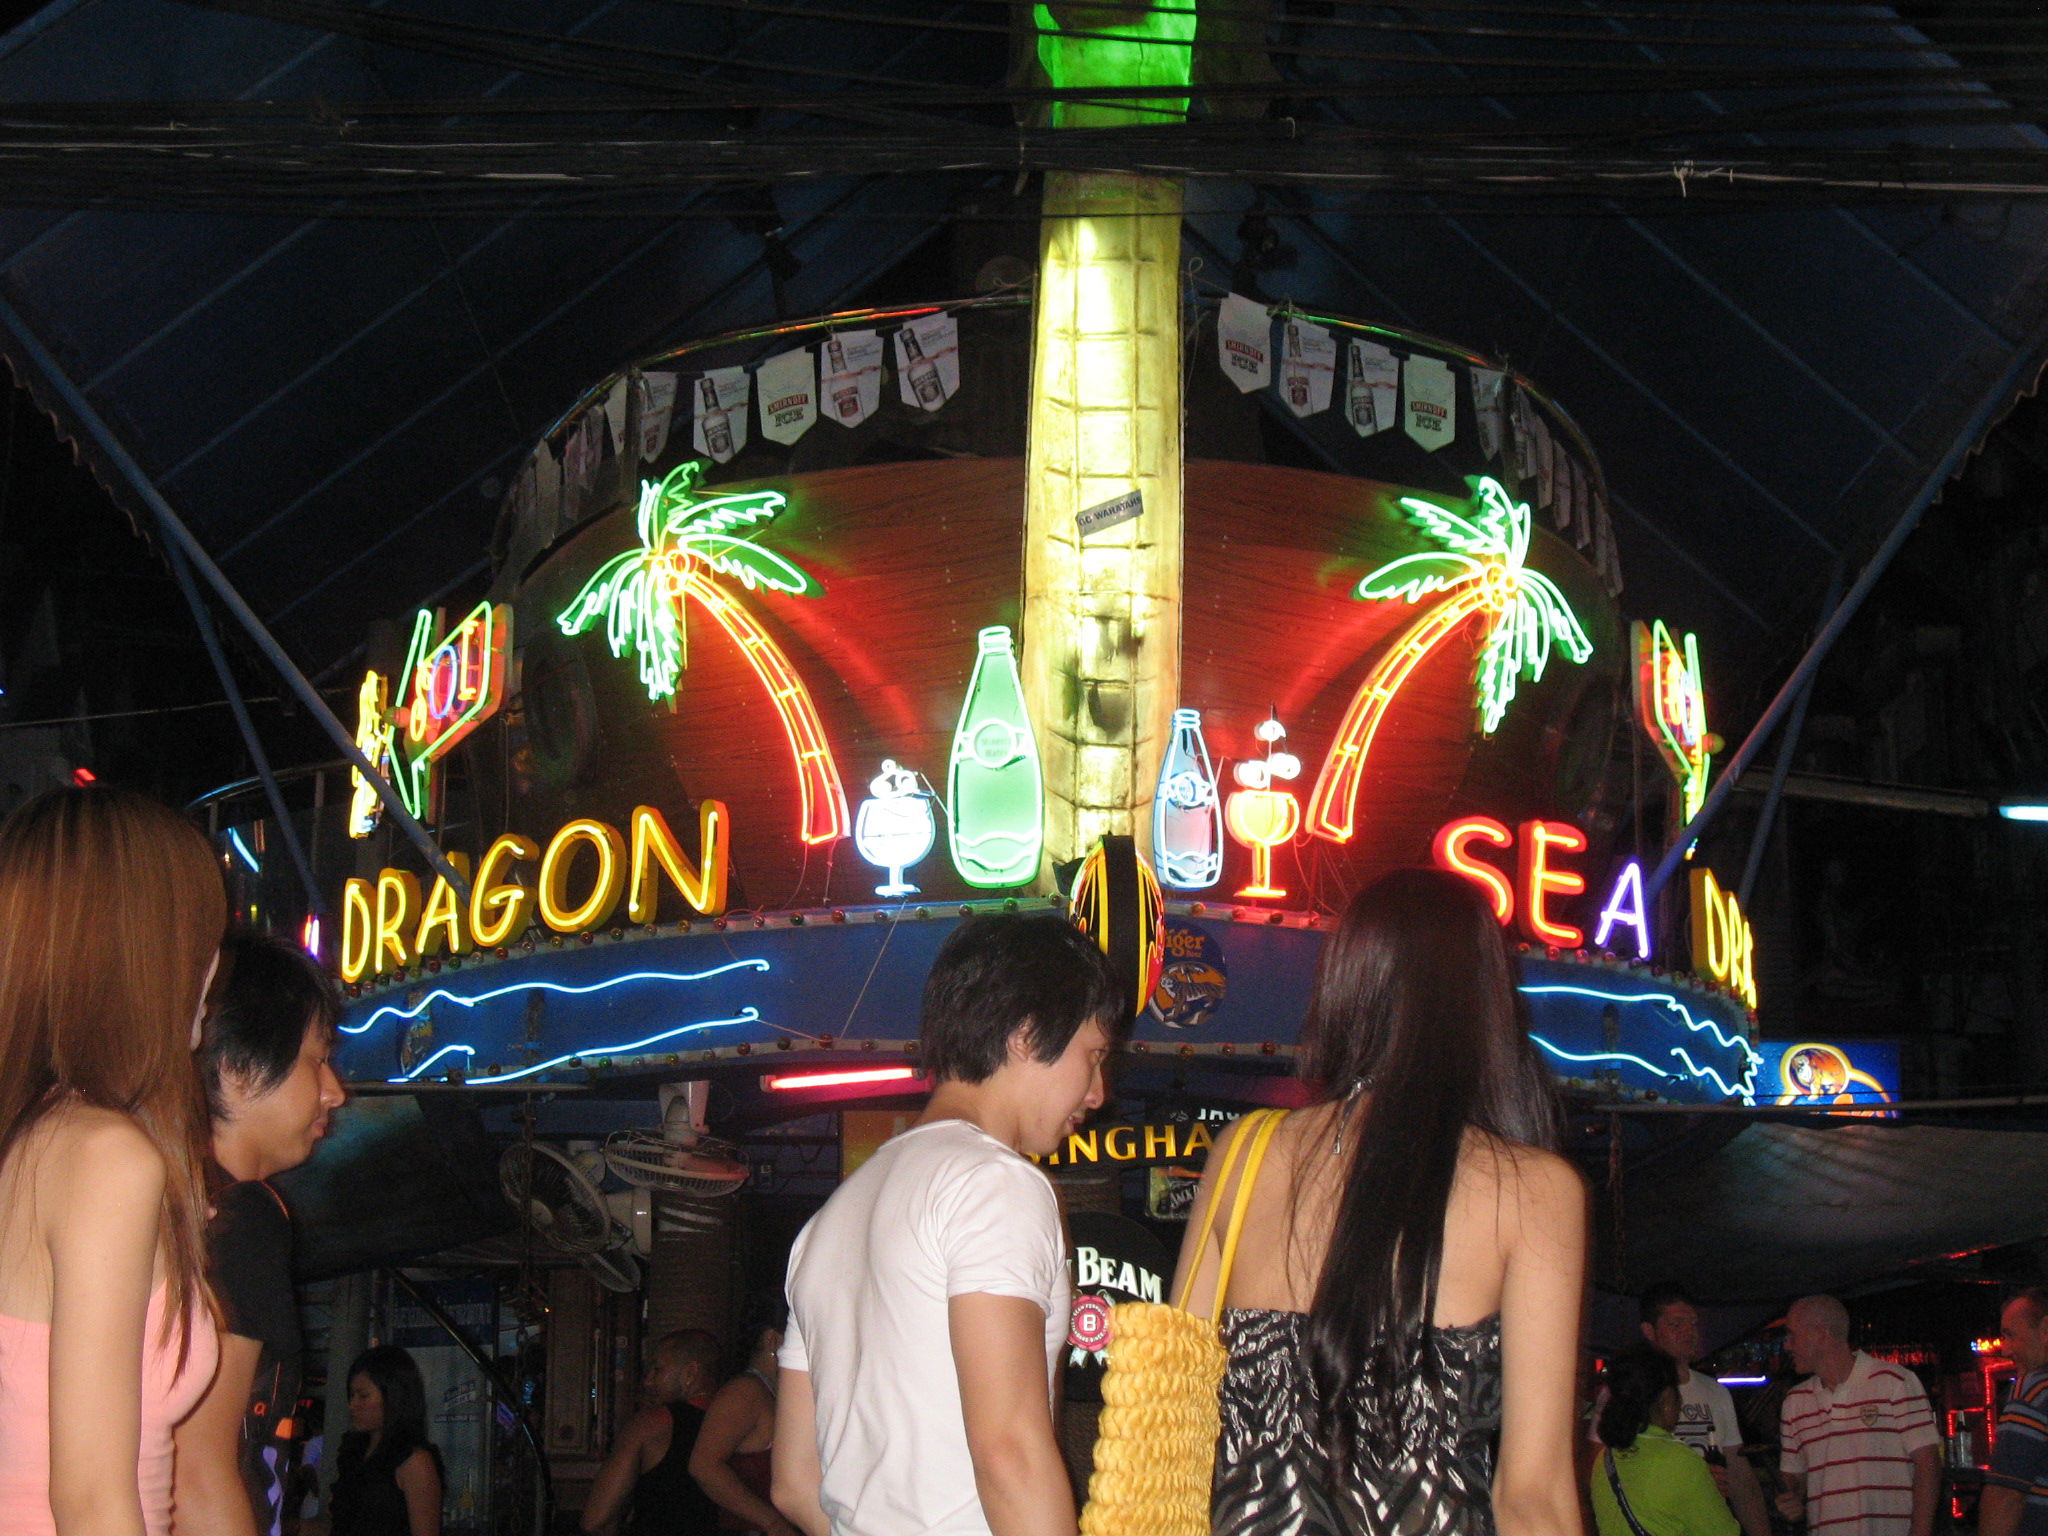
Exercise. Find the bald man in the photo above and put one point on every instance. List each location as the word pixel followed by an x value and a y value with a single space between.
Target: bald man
pixel 1858 1448
pixel 2016 1487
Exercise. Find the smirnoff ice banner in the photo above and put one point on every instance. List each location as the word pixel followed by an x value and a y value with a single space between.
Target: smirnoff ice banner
pixel 851 365
pixel 1372 388
pixel 1432 391
pixel 657 407
pixel 718 406
pixel 1487 414
pixel 928 361
pixel 1308 367
pixel 1244 342
pixel 1546 466
pixel 789 395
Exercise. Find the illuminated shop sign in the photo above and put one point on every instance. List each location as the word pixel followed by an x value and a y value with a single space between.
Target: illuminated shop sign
pixel 452 683
pixel 1723 947
pixel 387 926
pixel 1130 1145
pixel 1844 1076
pixel 1671 704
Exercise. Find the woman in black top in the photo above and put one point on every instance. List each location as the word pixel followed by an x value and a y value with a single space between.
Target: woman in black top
pixel 388 1481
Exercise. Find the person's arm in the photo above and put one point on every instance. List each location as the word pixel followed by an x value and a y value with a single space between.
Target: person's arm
pixel 732 1416
pixel 420 1481
pixel 2019 1460
pixel 1791 1463
pixel 1998 1511
pixel 1926 1490
pixel 621 1471
pixel 102 1245
pixel 1746 1494
pixel 1542 1301
pixel 209 1497
pixel 794 1459
pixel 999 1357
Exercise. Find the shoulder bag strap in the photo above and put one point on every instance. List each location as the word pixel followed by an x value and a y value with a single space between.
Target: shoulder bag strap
pixel 1240 1205
pixel 1231 1159
pixel 1620 1498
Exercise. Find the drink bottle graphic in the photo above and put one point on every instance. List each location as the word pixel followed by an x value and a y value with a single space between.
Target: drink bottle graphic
pixel 1297 377
pixel 924 373
pixel 845 391
pixel 995 790
pixel 717 421
pixel 1363 417
pixel 894 828
pixel 1261 817
pixel 1187 817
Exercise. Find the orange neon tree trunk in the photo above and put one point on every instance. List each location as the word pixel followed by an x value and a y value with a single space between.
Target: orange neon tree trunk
pixel 1332 808
pixel 817 775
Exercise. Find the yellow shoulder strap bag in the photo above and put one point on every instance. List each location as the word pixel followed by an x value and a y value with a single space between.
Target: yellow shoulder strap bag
pixel 1155 1450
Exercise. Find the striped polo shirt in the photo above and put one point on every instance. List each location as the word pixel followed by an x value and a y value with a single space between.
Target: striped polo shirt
pixel 1852 1445
pixel 2020 1459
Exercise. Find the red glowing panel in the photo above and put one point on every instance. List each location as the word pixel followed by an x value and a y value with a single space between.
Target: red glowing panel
pixel 784 1082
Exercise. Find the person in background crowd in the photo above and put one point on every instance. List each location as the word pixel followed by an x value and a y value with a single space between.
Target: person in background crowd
pixel 731 1459
pixel 270 1088
pixel 1706 1411
pixel 929 1297
pixel 1413 1254
pixel 1858 1449
pixel 650 1459
pixel 388 1475
pixel 2015 1501
pixel 1646 1481
pixel 111 915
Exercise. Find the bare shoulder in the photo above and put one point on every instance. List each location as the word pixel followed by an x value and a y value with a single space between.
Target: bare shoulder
pixel 647 1424
pixel 418 1470
pixel 100 1149
pixel 1536 1183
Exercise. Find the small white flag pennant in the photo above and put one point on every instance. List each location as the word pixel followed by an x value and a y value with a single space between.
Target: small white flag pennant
pixel 1486 409
pixel 719 412
pixel 1308 367
pixel 1244 342
pixel 789 395
pixel 1432 398
pixel 1372 388
pixel 928 361
pixel 851 386
pixel 657 407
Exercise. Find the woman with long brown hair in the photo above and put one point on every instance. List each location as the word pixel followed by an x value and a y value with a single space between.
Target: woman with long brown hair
pixel 111 916
pixel 1403 1314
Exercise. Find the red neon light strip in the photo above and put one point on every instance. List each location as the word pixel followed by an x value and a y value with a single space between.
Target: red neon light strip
pixel 1333 807
pixel 825 817
pixel 841 1079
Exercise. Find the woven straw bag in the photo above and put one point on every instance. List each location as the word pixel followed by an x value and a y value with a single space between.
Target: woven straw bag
pixel 1155 1451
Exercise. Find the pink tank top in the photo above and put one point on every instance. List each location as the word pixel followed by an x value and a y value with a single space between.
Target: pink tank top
pixel 168 1394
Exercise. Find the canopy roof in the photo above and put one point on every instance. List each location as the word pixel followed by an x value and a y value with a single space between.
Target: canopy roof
pixel 328 270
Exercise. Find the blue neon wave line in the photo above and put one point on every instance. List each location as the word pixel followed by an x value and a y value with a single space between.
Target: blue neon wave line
pixel 744 1016
pixel 547 986
pixel 467 1050
pixel 248 858
pixel 1721 1037
pixel 1732 1090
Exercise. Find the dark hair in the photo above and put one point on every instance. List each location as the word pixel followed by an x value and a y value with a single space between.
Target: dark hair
pixel 268 994
pixel 392 1372
pixel 691 1346
pixel 1635 1381
pixel 1414 999
pixel 998 972
pixel 1660 1297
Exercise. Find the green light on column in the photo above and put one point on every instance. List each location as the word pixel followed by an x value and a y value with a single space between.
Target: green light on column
pixel 995 793
pixel 1116 49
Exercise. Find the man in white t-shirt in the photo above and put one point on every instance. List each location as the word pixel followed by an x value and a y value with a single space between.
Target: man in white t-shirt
pixel 1857 1446
pixel 929 1296
pixel 1706 1412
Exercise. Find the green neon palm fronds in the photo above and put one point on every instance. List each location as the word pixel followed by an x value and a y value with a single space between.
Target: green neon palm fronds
pixel 1416 576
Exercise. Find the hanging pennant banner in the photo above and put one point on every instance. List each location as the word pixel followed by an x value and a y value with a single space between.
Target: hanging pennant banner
pixel 1308 367
pixel 1523 419
pixel 718 410
pixel 928 361
pixel 547 492
pixel 615 415
pixel 1432 390
pixel 1244 342
pixel 1372 388
pixel 1487 415
pixel 852 384
pixel 1546 461
pixel 789 395
pixel 1566 474
pixel 657 408
pixel 580 454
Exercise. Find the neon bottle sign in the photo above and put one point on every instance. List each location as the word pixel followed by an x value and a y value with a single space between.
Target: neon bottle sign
pixel 995 789
pixel 1187 818
pixel 1671 705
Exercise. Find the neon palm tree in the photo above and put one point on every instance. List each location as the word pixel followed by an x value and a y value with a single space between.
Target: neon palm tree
pixel 686 543
pixel 1482 573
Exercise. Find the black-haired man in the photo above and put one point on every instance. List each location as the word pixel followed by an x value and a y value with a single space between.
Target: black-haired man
pixel 1706 1411
pixel 263 1060
pixel 928 1297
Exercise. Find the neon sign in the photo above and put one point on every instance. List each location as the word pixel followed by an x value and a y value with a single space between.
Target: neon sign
pixel 453 685
pixel 1671 704
pixel 1810 1073
pixel 1187 818
pixel 386 926
pixel 995 790
pixel 1537 876
pixel 1448 852
pixel 1260 816
pixel 1624 909
pixel 374 734
pixel 894 828
pixel 1723 947
pixel 1482 572
pixel 686 543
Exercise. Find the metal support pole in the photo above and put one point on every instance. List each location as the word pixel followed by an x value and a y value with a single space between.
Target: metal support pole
pixel 2025 365
pixel 181 538
pixel 181 569
pixel 1788 744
